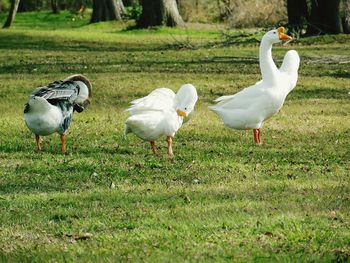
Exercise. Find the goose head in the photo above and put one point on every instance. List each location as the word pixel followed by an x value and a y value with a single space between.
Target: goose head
pixel 83 92
pixel 85 89
pixel 83 97
pixel 186 99
pixel 276 35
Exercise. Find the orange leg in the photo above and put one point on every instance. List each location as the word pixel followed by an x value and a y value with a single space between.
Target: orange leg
pixel 257 136
pixel 154 147
pixel 63 143
pixel 37 143
pixel 169 140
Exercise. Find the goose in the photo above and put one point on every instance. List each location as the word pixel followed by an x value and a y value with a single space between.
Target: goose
pixel 50 108
pixel 161 113
pixel 249 108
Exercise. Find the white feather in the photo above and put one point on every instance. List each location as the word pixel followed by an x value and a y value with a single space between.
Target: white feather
pixel 159 99
pixel 249 108
pixel 44 118
pixel 155 115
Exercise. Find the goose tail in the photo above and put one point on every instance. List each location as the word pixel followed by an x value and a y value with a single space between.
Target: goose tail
pixel 213 108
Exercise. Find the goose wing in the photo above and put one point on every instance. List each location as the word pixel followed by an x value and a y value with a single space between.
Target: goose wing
pixel 243 99
pixel 289 68
pixel 158 100
pixel 58 91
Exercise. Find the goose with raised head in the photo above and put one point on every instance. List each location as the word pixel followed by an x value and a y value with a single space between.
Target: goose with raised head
pixel 161 113
pixel 50 108
pixel 249 108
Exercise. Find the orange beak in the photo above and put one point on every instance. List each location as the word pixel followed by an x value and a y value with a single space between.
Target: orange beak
pixel 282 35
pixel 181 113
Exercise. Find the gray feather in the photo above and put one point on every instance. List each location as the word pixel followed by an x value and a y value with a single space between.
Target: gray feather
pixel 58 90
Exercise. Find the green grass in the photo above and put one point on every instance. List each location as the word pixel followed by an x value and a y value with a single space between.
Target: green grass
pixel 221 199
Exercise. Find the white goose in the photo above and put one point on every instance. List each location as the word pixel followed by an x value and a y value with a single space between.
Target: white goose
pixel 161 113
pixel 50 108
pixel 249 108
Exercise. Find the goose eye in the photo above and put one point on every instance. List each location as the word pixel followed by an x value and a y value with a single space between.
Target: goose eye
pixel 185 108
pixel 274 32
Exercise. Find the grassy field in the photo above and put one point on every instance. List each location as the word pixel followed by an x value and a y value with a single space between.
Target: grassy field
pixel 220 199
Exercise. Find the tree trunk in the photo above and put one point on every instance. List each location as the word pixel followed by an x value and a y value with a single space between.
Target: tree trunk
pixel 297 13
pixel 21 7
pixel 345 15
pixel 106 10
pixel 325 17
pixel 12 13
pixel 158 13
pixel 314 22
pixel 129 2
pixel 54 6
pixel 171 15
pixel 151 13
pixel 120 7
pixel 32 5
pixel 330 16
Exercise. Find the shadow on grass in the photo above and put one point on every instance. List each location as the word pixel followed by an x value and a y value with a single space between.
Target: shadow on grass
pixel 200 65
pixel 318 93
pixel 341 74
pixel 267 190
pixel 191 63
pixel 30 187
pixel 22 41
pixel 18 41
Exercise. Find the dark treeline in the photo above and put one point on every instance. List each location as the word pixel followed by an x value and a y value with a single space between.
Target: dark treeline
pixel 302 17
pixel 314 17
pixel 55 5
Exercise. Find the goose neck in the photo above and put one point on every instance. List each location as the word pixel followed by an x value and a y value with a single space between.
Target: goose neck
pixel 267 66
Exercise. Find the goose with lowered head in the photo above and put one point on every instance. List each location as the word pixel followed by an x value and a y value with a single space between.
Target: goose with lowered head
pixel 249 108
pixel 161 113
pixel 50 108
